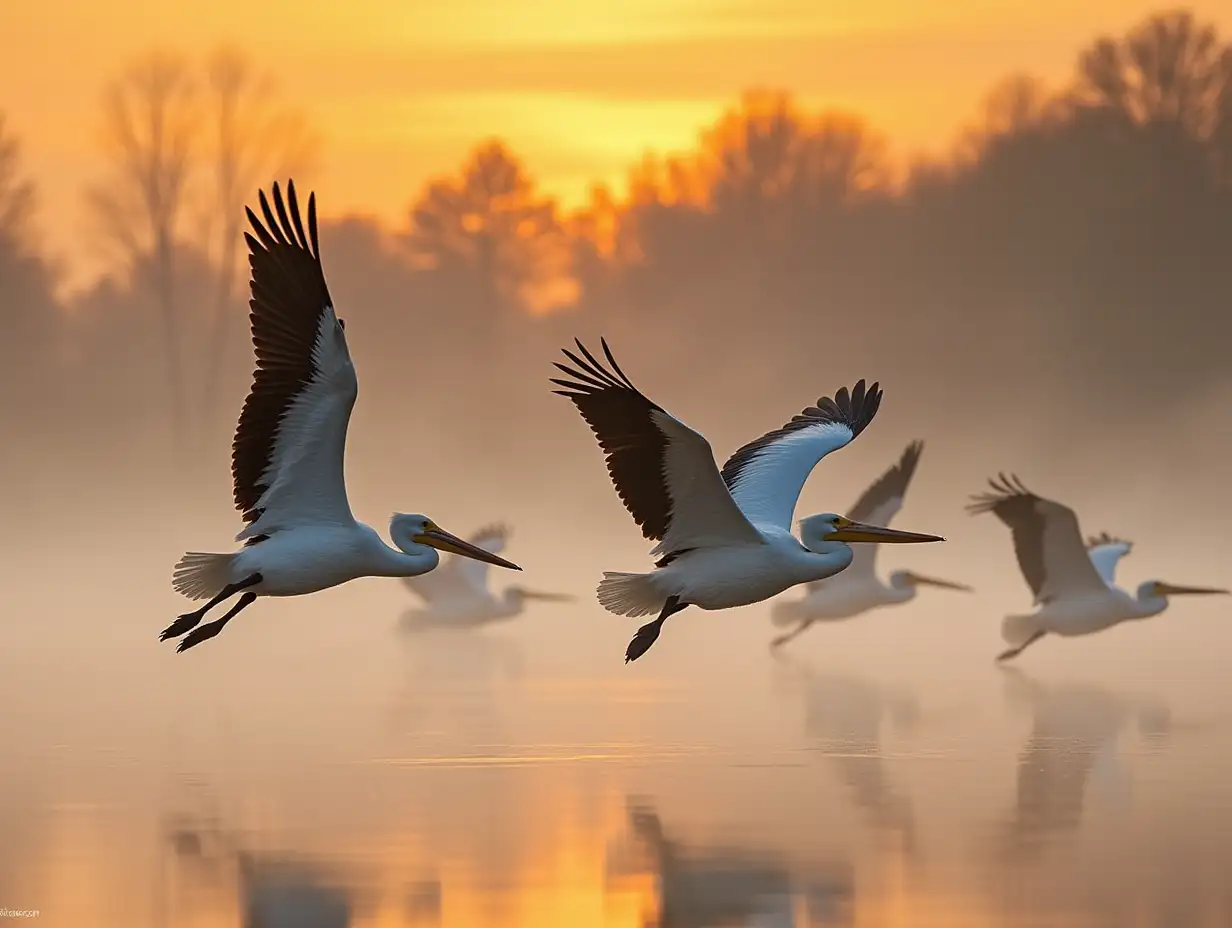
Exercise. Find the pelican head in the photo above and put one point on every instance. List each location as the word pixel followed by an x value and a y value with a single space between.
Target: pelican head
pixel 1158 589
pixel 412 533
pixel 819 533
pixel 908 579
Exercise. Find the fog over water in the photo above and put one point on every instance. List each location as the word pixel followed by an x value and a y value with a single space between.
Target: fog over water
pixel 1049 299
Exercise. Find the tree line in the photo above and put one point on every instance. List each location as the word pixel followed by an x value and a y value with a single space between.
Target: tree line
pixel 1075 246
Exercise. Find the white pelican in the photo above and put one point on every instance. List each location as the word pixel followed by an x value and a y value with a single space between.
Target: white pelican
pixel 857 589
pixel 724 537
pixel 287 457
pixel 456 595
pixel 1073 587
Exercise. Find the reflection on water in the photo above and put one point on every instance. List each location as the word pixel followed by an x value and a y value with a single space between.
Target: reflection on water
pixel 700 886
pixel 517 777
pixel 1074 748
pixel 843 717
pixel 215 873
pixel 457 673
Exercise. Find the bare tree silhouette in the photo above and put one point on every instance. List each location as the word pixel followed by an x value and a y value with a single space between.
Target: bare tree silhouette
pixel 1082 225
pixel 494 234
pixel 844 159
pixel 1017 105
pixel 766 158
pixel 764 178
pixel 28 312
pixel 151 122
pixel 252 139
pixel 16 194
pixel 1171 74
pixel 754 156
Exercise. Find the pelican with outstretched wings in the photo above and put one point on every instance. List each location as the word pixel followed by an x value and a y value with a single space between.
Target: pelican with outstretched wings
pixel 724 536
pixel 457 595
pixel 858 589
pixel 287 457
pixel 1072 582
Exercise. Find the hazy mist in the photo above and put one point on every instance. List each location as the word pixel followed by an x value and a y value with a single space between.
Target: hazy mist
pixel 1050 300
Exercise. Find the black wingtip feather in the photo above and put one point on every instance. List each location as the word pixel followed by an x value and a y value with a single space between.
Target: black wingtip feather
pixel 271 223
pixel 622 419
pixel 1005 489
pixel 589 374
pixel 312 225
pixel 1103 538
pixel 288 296
pixel 284 220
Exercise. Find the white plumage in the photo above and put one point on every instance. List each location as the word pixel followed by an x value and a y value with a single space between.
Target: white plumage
pixel 858 589
pixel 289 448
pixel 723 537
pixel 457 595
pixel 1105 553
pixel 1073 586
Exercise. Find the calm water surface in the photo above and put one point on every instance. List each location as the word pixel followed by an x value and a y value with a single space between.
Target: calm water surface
pixel 319 766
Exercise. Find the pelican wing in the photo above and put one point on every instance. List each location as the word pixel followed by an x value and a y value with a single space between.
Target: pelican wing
pixel 766 475
pixel 878 505
pixel 1047 540
pixel 287 457
pixel 1106 552
pixel 663 471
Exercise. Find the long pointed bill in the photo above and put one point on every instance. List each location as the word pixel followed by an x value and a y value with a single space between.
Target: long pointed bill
pixel 549 597
pixel 443 541
pixel 849 531
pixel 943 584
pixel 1167 589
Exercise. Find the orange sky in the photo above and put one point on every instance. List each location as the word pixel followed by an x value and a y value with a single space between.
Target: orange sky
pixel 399 90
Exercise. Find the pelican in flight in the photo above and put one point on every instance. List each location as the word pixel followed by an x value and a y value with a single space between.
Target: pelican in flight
pixel 1073 582
pixel 457 594
pixel 724 537
pixel 857 589
pixel 287 457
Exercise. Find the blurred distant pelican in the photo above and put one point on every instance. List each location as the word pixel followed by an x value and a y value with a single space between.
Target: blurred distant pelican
pixel 724 537
pixel 858 589
pixel 457 595
pixel 287 457
pixel 1072 582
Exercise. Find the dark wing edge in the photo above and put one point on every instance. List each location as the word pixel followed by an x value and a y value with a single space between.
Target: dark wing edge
pixel 288 296
pixel 1015 505
pixel 1103 538
pixel 1008 498
pixel 622 419
pixel 893 483
pixel 854 409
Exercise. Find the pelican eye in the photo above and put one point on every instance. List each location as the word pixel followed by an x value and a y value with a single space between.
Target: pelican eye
pixel 430 526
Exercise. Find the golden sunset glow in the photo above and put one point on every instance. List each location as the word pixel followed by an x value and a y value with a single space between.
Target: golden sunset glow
pixel 556 868
pixel 1012 216
pixel 400 91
